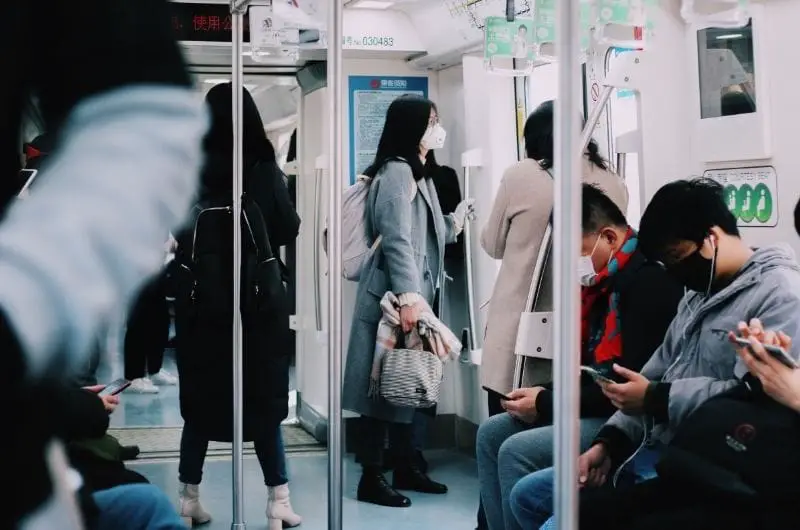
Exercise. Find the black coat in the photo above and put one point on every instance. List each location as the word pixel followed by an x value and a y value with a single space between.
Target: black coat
pixel 205 351
pixel 649 299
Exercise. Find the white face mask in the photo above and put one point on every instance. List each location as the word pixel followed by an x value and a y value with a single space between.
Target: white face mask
pixel 586 270
pixel 434 137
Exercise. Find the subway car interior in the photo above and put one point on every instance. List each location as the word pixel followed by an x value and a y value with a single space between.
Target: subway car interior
pixel 652 81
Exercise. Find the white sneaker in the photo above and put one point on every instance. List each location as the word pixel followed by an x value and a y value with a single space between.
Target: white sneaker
pixel 192 511
pixel 164 378
pixel 143 385
pixel 279 509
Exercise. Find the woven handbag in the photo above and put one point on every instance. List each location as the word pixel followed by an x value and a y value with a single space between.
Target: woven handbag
pixel 412 378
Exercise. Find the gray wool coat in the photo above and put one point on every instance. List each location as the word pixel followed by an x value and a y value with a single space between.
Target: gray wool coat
pixel 409 259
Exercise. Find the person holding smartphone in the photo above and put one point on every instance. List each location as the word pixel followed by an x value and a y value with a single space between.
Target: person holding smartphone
pixel 627 305
pixel 780 382
pixel 688 227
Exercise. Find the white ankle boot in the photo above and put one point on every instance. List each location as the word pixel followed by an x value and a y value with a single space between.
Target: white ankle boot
pixel 279 509
pixel 192 511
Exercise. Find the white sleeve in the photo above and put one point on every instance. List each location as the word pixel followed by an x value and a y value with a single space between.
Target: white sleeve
pixel 78 248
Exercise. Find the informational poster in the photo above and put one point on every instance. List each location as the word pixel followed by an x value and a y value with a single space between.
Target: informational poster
pixel 509 39
pixel 370 97
pixel 751 194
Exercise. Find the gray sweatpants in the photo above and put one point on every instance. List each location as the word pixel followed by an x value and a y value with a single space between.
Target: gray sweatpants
pixel 509 450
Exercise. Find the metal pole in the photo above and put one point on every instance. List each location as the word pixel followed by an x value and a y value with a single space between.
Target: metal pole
pixel 237 11
pixel 622 164
pixel 335 123
pixel 567 235
pixel 471 312
pixel 594 116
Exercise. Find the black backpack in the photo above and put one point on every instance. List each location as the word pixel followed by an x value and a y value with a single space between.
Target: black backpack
pixel 204 274
pixel 740 446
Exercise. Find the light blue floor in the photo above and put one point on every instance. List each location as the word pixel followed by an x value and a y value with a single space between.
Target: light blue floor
pixel 308 473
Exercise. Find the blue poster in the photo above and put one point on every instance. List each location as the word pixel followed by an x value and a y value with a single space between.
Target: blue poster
pixel 369 99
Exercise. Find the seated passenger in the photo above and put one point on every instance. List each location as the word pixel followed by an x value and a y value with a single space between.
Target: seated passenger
pixel 513 233
pixel 82 422
pixel 687 227
pixel 627 306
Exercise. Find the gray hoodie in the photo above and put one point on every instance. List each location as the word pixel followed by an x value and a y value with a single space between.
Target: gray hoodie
pixel 696 358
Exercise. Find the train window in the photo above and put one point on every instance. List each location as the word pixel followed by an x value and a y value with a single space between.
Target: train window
pixel 542 85
pixel 726 71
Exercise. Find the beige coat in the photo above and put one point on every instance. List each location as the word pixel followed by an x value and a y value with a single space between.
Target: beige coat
pixel 514 234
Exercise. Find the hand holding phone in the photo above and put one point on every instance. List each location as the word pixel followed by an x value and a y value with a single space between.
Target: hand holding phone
pixel 598 376
pixel 115 387
pixel 496 394
pixel 775 351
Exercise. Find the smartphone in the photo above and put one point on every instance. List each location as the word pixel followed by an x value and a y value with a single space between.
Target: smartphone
pixel 115 387
pixel 776 351
pixel 495 393
pixel 598 376
pixel 26 176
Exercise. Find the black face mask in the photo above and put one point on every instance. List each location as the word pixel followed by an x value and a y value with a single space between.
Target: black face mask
pixel 695 272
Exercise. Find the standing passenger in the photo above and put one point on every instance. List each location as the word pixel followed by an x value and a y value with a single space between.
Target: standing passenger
pixel 204 348
pixel 403 207
pixel 514 234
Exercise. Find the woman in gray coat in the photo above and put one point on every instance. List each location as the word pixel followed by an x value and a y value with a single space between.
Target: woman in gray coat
pixel 402 206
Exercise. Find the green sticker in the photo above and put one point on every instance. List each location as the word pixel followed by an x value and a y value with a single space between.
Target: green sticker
pixel 763 203
pixel 747 203
pixel 732 200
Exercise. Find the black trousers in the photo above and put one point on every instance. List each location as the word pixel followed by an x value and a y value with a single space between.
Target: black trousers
pixel 372 437
pixel 658 505
pixel 147 330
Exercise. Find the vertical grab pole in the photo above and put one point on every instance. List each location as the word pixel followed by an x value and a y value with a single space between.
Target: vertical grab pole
pixel 238 8
pixel 566 234
pixel 335 122
pixel 471 313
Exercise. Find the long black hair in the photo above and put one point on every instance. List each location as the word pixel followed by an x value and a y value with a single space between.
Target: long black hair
pixel 406 122
pixel 539 139
pixel 219 139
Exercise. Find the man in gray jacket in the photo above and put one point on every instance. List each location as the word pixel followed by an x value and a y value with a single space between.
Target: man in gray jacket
pixel 689 229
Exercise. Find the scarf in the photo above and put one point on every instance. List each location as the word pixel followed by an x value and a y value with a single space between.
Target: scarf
pixel 436 338
pixel 601 338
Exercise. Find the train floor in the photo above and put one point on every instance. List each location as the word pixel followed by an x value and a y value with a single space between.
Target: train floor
pixel 308 476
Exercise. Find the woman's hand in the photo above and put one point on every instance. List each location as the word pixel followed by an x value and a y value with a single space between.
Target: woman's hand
pixel 409 315
pixel 464 210
pixel 780 382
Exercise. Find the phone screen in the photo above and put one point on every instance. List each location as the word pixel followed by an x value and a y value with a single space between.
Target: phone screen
pixel 495 393
pixel 775 351
pixel 115 387
pixel 26 177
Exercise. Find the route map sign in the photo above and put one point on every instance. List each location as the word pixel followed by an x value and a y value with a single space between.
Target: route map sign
pixel 751 194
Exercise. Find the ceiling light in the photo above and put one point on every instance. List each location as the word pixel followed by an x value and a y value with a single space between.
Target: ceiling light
pixel 373 4
pixel 730 36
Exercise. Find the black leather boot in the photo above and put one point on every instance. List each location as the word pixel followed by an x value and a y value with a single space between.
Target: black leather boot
pixel 411 478
pixel 374 489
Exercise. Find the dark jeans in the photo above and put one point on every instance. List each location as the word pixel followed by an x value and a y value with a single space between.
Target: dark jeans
pixel 372 436
pixel 147 331
pixel 269 451
pixel 495 408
